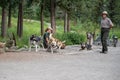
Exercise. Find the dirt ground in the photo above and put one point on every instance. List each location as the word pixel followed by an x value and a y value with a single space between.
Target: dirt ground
pixel 69 64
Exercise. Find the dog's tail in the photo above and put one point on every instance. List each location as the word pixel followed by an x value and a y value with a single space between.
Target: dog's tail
pixel 2 44
pixel 63 41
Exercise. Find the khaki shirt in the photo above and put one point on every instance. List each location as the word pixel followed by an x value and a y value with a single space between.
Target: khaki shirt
pixel 106 23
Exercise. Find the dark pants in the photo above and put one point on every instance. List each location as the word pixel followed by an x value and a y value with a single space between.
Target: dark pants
pixel 104 37
pixel 45 45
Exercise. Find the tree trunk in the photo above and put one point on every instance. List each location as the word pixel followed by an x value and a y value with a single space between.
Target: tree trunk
pixel 65 22
pixel 20 20
pixel 42 17
pixel 111 7
pixel 18 23
pixel 53 24
pixel 4 23
pixel 9 15
pixel 14 39
pixel 68 23
pixel 75 22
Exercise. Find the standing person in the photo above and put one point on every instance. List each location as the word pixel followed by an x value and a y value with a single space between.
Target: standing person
pixel 46 37
pixel 106 25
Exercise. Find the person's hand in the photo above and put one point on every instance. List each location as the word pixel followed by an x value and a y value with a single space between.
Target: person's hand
pixel 111 27
pixel 47 42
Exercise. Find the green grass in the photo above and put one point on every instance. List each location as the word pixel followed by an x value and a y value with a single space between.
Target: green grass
pixel 115 31
pixel 29 28
pixel 76 36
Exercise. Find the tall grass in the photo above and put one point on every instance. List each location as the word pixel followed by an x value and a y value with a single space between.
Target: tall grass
pixel 115 31
pixel 76 36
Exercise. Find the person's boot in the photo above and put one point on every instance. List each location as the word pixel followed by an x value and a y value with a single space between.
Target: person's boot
pixel 105 52
pixel 101 51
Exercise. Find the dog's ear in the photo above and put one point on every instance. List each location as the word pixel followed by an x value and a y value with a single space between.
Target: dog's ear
pixel 51 35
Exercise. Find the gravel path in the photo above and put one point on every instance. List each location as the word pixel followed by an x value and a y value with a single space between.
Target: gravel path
pixel 70 64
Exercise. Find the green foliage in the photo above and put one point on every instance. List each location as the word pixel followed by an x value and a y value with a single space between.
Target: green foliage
pixel 71 38
pixel 3 3
pixel 76 36
pixel 115 31
pixel 90 26
pixel 87 11
pixel 116 11
pixel 29 28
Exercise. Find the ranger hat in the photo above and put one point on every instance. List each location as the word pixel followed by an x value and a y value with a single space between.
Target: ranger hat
pixel 50 28
pixel 104 12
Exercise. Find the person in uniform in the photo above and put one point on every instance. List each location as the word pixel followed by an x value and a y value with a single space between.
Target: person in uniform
pixel 106 25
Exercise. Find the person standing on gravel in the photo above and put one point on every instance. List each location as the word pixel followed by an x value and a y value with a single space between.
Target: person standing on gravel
pixel 106 25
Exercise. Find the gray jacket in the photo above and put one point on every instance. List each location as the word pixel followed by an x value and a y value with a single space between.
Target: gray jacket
pixel 106 23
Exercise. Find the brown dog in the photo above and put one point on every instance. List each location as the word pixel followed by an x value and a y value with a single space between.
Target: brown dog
pixel 2 47
pixel 55 43
pixel 9 44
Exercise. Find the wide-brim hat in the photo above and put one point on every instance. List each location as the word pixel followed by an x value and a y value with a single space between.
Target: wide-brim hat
pixel 50 28
pixel 105 12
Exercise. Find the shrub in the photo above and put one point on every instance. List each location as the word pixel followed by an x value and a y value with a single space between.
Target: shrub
pixel 115 31
pixel 71 38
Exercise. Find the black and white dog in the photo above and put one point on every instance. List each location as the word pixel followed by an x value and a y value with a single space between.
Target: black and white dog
pixel 89 43
pixel 35 41
pixel 83 46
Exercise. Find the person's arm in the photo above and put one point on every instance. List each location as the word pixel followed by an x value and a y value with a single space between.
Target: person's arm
pixel 111 24
pixel 47 40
